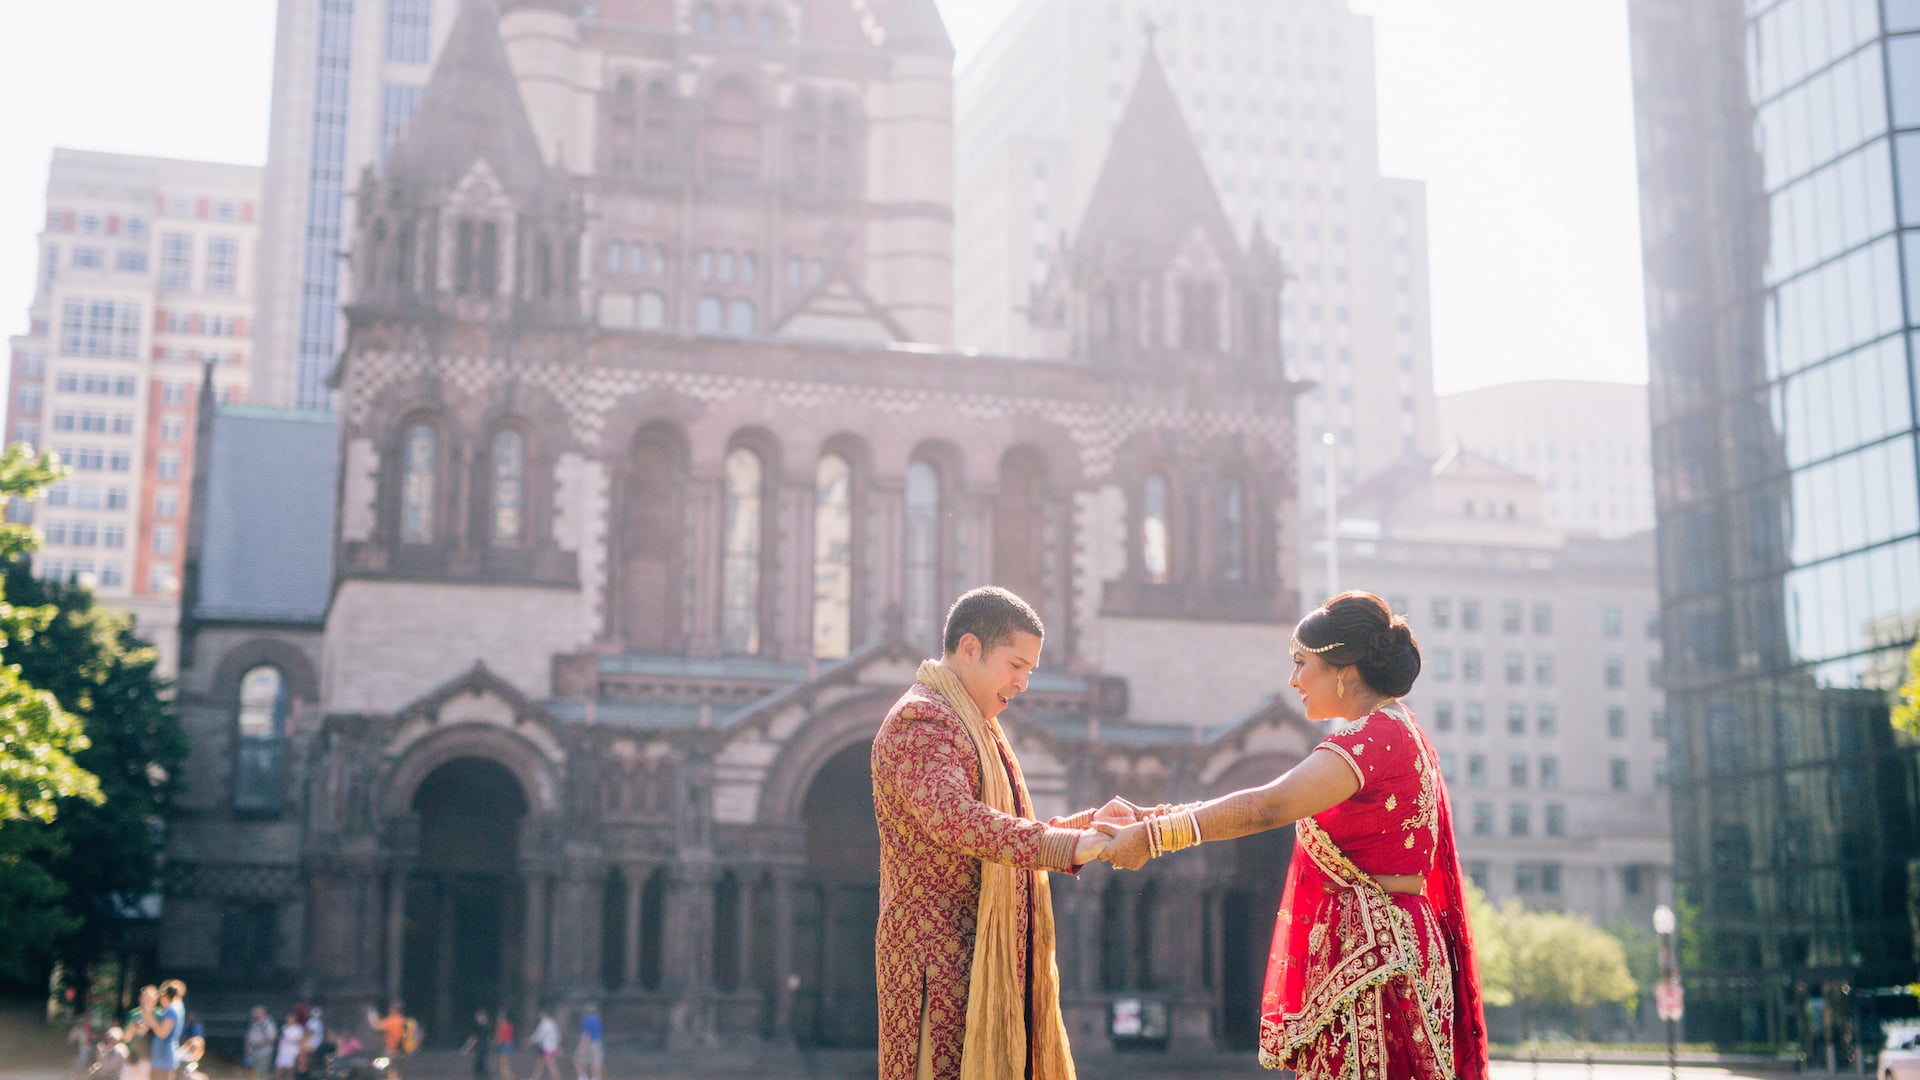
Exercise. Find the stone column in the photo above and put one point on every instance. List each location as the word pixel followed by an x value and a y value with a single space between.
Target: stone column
pixel 784 879
pixel 533 974
pixel 705 504
pixel 743 929
pixel 396 926
pixel 636 878
pixel 689 952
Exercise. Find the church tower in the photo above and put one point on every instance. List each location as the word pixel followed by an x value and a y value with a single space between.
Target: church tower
pixel 1154 275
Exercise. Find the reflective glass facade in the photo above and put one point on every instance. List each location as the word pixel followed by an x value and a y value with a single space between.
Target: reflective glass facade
pixel 1777 182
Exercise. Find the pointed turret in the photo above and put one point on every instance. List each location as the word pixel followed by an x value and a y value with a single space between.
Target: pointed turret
pixel 1154 188
pixel 471 112
pixel 916 26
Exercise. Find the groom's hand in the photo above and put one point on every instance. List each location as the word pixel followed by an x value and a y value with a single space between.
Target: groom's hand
pixel 1128 850
pixel 1091 845
pixel 1118 811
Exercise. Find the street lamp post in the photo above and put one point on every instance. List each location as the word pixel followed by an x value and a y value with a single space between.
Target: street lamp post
pixel 1668 996
pixel 1333 531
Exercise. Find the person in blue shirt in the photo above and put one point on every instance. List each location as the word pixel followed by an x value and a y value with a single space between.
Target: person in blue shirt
pixel 590 1056
pixel 168 1027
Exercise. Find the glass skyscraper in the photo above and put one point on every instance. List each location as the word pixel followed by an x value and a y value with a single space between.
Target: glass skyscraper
pixel 1779 147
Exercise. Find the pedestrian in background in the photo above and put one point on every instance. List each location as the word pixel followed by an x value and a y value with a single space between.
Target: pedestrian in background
pixel 546 1041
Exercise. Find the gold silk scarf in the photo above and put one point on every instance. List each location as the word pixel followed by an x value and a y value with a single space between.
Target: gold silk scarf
pixel 996 1040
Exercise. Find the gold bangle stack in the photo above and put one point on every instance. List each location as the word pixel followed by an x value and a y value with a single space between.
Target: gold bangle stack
pixel 1167 833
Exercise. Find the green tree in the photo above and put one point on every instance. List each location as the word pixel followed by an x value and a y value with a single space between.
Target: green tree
pixel 105 854
pixel 1642 948
pixel 1906 708
pixel 1490 948
pixel 38 738
pixel 1563 963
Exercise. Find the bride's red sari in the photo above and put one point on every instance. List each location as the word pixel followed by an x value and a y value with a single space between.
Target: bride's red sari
pixel 1363 984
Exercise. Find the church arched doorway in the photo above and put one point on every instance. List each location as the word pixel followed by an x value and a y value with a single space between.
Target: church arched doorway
pixel 1248 906
pixel 838 906
pixel 463 906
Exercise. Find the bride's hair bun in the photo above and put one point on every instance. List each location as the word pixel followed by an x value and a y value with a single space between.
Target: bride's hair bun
pixel 1378 643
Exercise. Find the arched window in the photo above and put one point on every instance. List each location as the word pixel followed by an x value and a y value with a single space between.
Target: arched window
pixel 653 311
pixel 419 481
pixel 261 739
pixel 806 147
pixel 616 257
pixel 767 28
pixel 1155 525
pixel 832 558
pixel 736 23
pixel 712 315
pixel 1019 525
pixel 509 488
pixel 740 558
pixel 651 581
pixel 839 171
pixel 623 128
pixel 731 147
pixel 403 258
pixel 705 20
pixel 921 604
pixel 1230 530
pixel 741 318
pixel 657 138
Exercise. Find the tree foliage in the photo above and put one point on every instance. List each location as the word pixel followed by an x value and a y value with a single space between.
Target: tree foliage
pixel 1550 961
pixel 105 854
pixel 1906 708
pixel 38 738
pixel 1490 949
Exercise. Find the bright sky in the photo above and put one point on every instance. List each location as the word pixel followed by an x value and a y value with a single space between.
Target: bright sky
pixel 1518 114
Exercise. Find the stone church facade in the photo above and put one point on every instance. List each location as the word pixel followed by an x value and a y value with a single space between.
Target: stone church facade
pixel 649 486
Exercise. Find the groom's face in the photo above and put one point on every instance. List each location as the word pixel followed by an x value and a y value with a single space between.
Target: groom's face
pixel 993 678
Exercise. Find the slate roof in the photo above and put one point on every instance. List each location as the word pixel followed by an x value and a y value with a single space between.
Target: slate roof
pixel 267 510
pixel 471 111
pixel 1153 187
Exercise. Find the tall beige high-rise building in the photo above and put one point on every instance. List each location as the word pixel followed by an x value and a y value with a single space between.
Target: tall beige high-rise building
pixel 1281 102
pixel 347 76
pixel 145 285
pixel 1587 441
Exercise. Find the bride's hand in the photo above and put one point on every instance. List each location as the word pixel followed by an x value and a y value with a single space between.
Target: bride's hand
pixel 1091 845
pixel 1128 851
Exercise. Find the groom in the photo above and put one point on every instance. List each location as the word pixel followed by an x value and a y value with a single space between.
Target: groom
pixel 968 986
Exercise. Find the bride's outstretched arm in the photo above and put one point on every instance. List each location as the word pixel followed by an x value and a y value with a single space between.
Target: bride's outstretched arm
pixel 1322 781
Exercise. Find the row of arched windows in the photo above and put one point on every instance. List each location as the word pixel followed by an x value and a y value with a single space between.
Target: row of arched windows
pixel 1229 527
pixel 731 144
pixel 504 476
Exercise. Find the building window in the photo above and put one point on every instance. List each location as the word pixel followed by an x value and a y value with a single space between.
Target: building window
pixel 419 478
pixel 1543 618
pixel 923 551
pixel 1442 613
pixel 409 25
pixel 1483 819
pixel 1155 503
pixel 1616 672
pixel 1476 770
pixel 1443 716
pixel 1616 723
pixel 106 329
pixel 1547 719
pixel 1231 531
pixel 1470 665
pixel 1543 669
pixel 166 503
pixel 712 315
pixel 1610 621
pixel 742 318
pixel 832 558
pixel 167 465
pixel 1549 772
pixel 1556 818
pixel 652 313
pixel 1512 617
pixel 1659 717
pixel 740 553
pixel 1550 878
pixel 163 539
pixel 1519 819
pixel 509 488
pixel 262 728
pixel 1617 774
pixel 1443 664
pixel 223 263
pixel 731 148
pixel 1516 718
pixel 1469 614
pixel 1517 771
pixel 1516 664
pixel 1526 879
pixel 176 261
pixel 1476 717
pixel 172 428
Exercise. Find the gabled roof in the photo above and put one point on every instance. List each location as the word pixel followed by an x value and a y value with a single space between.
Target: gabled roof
pixel 267 516
pixel 1461 463
pixel 1154 188
pixel 471 111
pixel 915 25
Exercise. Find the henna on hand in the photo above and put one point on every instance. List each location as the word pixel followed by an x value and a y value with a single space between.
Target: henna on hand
pixel 1129 851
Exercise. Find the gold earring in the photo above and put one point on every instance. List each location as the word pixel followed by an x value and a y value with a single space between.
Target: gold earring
pixel 1339 686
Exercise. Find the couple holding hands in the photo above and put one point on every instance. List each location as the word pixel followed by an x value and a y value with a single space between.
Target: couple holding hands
pixel 1371 973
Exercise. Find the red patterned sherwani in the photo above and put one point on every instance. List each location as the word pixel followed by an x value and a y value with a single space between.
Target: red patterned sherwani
pixel 934 831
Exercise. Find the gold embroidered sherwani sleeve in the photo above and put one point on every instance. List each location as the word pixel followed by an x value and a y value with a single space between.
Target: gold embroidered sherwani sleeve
pixel 928 760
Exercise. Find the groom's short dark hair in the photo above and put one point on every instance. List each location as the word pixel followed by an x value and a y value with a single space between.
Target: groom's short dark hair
pixel 991 614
